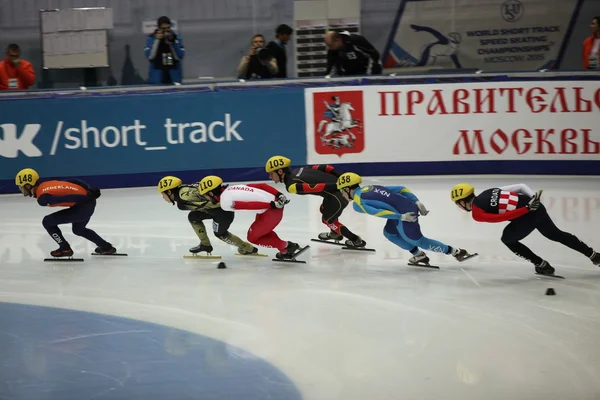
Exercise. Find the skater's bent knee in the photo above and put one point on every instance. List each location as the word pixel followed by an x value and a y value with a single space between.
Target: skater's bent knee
pixel 507 240
pixel 222 235
pixel 389 235
pixel 252 237
pixel 47 222
pixel 78 230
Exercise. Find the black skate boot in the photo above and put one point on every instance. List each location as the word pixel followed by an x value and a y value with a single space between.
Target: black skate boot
pixel 106 251
pixel 290 249
pixel 332 236
pixel 462 254
pixel 208 249
pixel 245 253
pixel 544 269
pixel 58 253
pixel 358 243
pixel 595 257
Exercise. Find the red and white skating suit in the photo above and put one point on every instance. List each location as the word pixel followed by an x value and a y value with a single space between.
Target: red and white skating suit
pixel 256 197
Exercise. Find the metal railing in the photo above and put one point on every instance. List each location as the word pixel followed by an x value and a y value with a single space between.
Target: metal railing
pixel 220 85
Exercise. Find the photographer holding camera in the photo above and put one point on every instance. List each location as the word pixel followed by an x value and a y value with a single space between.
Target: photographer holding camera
pixel 259 63
pixel 165 50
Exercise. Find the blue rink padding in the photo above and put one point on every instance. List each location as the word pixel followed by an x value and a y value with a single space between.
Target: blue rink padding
pixel 192 131
pixel 53 353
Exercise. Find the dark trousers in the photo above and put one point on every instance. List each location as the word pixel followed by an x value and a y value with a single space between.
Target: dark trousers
pixel 222 220
pixel 521 227
pixel 78 215
pixel 331 209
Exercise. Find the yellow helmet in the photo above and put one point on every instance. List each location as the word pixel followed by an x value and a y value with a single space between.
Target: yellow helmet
pixel 348 179
pixel 168 183
pixel 209 183
pixel 461 191
pixel 26 176
pixel 277 162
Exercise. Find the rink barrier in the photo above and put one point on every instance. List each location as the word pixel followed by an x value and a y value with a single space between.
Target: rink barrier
pixel 132 136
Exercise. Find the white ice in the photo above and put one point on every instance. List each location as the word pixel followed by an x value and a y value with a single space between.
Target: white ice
pixel 346 325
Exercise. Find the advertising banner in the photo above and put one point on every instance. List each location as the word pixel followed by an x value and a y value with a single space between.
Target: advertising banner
pixel 551 120
pixel 130 134
pixel 489 35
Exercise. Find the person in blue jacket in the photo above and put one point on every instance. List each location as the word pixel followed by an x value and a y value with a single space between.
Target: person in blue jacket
pixel 401 208
pixel 165 52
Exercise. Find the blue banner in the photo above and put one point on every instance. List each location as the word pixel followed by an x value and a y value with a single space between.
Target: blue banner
pixel 151 133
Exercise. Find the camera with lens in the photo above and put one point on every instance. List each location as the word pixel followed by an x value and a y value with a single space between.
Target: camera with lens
pixel 168 34
pixel 263 54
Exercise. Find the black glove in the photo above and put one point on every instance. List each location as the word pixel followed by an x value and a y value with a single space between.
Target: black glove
pixel 94 192
pixel 535 201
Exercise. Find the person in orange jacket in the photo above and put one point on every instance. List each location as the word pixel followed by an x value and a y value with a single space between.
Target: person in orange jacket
pixel 591 46
pixel 15 74
pixel 80 200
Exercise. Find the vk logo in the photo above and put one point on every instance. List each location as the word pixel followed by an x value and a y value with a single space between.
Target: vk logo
pixel 10 144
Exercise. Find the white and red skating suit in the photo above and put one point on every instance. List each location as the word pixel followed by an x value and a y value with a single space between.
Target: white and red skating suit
pixel 502 204
pixel 256 197
pixel 253 197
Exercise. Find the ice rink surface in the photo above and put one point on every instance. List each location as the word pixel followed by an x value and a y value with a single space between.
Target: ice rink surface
pixel 345 325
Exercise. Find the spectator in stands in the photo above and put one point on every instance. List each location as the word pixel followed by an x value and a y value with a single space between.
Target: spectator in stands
pixel 351 54
pixel 259 63
pixel 277 48
pixel 591 46
pixel 15 73
pixel 165 51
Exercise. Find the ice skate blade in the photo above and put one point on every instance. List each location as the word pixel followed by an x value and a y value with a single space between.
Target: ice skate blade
pixel 551 276
pixel 328 242
pixel 200 257
pixel 252 255
pixel 468 257
pixel 69 259
pixel 423 265
pixel 356 248
pixel 108 255
pixel 296 254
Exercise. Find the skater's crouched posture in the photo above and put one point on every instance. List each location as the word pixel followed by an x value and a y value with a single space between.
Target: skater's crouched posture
pixel 80 200
pixel 188 197
pixel 401 208
pixel 316 180
pixel 523 208
pixel 260 198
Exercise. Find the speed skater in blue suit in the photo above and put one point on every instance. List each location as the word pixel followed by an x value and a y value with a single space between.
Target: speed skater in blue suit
pixel 401 208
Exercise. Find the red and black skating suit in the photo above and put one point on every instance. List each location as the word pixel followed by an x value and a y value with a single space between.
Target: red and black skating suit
pixel 510 203
pixel 320 180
